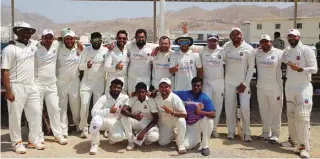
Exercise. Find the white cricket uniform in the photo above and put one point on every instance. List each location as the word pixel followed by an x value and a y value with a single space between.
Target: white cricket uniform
pixel 132 126
pixel 45 79
pixel 269 89
pixel 160 68
pixel 68 85
pixel 102 119
pixel 239 69
pixel 168 123
pixel 299 92
pixel 112 60
pixel 213 78
pixel 188 64
pixel 19 60
pixel 92 83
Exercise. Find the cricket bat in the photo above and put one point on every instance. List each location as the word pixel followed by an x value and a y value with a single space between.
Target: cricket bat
pixel 239 123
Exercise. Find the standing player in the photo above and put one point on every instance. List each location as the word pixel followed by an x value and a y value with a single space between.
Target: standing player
pixel 301 63
pixel 269 84
pixel 239 70
pixel 92 83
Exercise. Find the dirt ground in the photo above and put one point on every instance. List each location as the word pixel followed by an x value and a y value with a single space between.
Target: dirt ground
pixel 220 147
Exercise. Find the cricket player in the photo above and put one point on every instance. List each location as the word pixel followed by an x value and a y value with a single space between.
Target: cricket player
pixel 240 60
pixel 68 81
pixel 269 84
pixel 161 62
pixel 117 61
pixel 140 117
pixel 200 114
pixel 106 114
pixel 301 63
pixel 185 65
pixel 212 58
pixel 172 116
pixel 45 79
pixel 92 83
pixel 17 72
pixel 140 61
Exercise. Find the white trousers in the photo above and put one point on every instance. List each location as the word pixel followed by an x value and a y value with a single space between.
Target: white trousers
pixel 270 106
pixel 167 131
pixel 193 136
pixel 124 79
pixel 113 126
pixel 27 98
pixel 231 108
pixel 299 107
pixel 132 82
pixel 132 126
pixel 68 92
pixel 49 93
pixel 97 91
pixel 215 91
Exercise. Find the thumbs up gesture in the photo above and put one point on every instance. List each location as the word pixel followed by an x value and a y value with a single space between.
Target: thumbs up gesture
pixel 119 66
pixel 175 68
pixel 113 109
pixel 89 64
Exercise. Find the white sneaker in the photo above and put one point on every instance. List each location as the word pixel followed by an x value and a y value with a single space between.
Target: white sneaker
pixel 39 146
pixel 288 143
pixel 19 148
pixel 84 133
pixel 274 139
pixel 130 146
pixel 182 149
pixel 304 154
pixel 214 134
pixel 265 136
pixel 105 134
pixel 230 136
pixel 61 140
pixel 247 138
pixel 93 150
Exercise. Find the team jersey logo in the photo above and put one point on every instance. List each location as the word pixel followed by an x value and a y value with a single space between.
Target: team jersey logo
pixel 298 57
pixel 168 59
pixel 94 127
pixel 222 94
pixel 104 56
pixel 191 61
pixel 148 54
pixel 241 54
pixel 219 57
pixel 278 98
pixel 272 57
pixel 78 54
pixel 145 107
pixel 306 101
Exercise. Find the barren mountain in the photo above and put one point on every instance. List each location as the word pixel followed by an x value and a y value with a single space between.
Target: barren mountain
pixel 195 17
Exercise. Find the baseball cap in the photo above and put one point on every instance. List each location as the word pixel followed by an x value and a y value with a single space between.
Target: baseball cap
pixel 265 37
pixel 235 28
pixel 47 31
pixel 213 36
pixel 165 80
pixel 69 33
pixel 294 32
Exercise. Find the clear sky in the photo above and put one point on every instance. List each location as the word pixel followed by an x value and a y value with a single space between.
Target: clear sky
pixel 61 11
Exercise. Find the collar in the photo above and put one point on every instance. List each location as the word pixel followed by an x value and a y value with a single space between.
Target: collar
pixel 187 53
pixel 110 97
pixel 29 42
pixel 299 45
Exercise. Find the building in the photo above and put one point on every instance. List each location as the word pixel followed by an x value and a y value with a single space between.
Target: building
pixel 150 34
pixel 5 33
pixel 309 28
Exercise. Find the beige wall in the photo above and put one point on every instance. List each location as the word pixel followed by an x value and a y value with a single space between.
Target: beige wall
pixel 309 33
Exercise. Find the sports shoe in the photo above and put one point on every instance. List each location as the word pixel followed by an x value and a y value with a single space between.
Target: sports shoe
pixel 273 139
pixel 247 138
pixel 93 149
pixel 130 146
pixel 205 152
pixel 84 133
pixel 182 149
pixel 105 134
pixel 304 154
pixel 31 145
pixel 265 136
pixel 39 146
pixel 230 136
pixel 61 140
pixel 214 134
pixel 19 148
pixel 288 143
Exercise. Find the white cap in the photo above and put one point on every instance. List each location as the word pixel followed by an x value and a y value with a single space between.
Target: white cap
pixel 265 37
pixel 47 31
pixel 294 32
pixel 165 80
pixel 22 25
pixel 236 28
pixel 70 33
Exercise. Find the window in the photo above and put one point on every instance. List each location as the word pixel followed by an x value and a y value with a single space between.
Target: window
pixel 319 25
pixel 278 26
pixel 299 25
pixel 259 26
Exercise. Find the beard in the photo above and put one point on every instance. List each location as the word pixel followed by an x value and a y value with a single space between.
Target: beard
pixel 140 43
pixel 293 42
